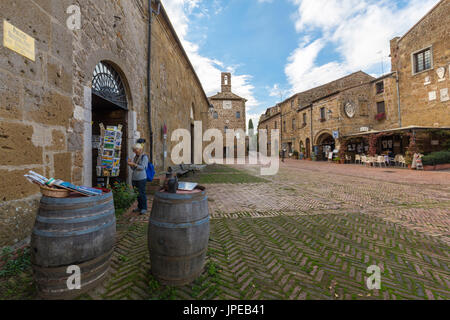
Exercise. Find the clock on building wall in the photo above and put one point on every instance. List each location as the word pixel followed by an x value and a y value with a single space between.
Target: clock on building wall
pixel 227 105
pixel 350 109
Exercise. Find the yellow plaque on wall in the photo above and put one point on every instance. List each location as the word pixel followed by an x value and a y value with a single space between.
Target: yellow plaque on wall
pixel 18 41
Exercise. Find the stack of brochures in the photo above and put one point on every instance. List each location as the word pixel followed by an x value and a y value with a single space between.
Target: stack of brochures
pixel 43 181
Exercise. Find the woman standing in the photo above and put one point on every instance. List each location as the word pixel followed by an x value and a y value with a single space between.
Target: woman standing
pixel 139 177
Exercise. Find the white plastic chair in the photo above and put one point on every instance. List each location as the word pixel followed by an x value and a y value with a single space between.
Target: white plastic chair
pixel 380 161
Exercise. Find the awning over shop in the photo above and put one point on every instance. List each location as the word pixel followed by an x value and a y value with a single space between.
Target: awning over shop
pixel 360 134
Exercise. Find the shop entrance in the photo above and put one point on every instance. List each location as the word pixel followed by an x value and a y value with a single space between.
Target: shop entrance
pixel 326 145
pixel 109 107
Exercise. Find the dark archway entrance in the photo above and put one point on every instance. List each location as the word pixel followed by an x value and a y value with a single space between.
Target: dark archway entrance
pixel 110 107
pixel 326 144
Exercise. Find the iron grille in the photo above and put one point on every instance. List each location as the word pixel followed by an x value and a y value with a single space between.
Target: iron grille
pixel 107 84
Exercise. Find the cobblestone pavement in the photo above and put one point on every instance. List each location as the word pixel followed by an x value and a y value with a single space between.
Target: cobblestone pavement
pixel 310 232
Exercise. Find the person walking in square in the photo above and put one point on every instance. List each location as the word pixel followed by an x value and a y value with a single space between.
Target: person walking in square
pixel 139 177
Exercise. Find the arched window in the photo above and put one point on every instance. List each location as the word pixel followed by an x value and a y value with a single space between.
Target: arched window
pixel 215 115
pixel 107 84
pixel 225 80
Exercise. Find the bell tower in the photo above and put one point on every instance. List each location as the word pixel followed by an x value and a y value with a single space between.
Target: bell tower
pixel 226 82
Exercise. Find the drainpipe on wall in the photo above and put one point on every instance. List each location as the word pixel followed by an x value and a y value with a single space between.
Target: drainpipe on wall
pixel 398 100
pixel 149 77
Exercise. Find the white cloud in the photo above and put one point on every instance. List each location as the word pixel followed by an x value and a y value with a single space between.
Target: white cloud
pixel 208 69
pixel 359 30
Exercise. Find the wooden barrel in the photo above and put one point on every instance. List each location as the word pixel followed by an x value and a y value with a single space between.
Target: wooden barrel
pixel 178 234
pixel 72 231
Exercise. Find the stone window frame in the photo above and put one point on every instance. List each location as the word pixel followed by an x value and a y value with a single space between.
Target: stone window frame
pixel 384 106
pixel 413 62
pixel 304 119
pixel 377 85
pixel 323 114
pixel 293 124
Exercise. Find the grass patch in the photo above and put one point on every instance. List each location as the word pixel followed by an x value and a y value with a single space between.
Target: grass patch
pixel 16 275
pixel 14 264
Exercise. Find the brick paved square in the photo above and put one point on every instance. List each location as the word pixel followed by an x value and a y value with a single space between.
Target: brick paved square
pixel 310 232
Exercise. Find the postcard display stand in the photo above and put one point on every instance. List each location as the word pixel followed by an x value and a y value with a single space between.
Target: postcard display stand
pixel 108 161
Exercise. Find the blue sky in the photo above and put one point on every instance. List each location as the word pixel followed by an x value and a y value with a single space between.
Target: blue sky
pixel 275 48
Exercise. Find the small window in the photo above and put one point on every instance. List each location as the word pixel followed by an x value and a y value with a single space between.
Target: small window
pixel 276 124
pixel 292 104
pixel 381 107
pixel 284 125
pixel 322 114
pixel 225 80
pixel 304 118
pixel 422 60
pixel 267 128
pixel 215 115
pixel 293 124
pixel 380 87
pixel 238 115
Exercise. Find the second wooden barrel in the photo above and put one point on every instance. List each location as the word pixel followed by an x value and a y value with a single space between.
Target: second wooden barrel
pixel 72 231
pixel 178 235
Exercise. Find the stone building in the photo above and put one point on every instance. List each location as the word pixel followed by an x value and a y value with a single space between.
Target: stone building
pixel 346 112
pixel 270 121
pixel 229 113
pixel 421 71
pixel 50 108
pixel 291 122
pixel 411 101
pixel 422 59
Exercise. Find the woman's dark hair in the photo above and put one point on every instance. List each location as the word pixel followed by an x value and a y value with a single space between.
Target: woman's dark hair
pixel 140 140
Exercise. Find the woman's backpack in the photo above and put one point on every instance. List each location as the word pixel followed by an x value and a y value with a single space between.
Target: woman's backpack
pixel 150 171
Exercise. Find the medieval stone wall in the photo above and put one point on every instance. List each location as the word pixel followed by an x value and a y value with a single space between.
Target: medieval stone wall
pixel 423 95
pixel 45 106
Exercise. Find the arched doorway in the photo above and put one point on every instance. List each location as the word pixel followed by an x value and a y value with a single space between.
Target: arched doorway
pixel 110 108
pixel 301 149
pixel 326 144
pixel 308 148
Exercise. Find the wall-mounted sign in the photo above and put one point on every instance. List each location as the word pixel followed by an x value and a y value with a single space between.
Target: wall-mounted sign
pixel 336 134
pixel 18 41
pixel 364 129
pixel 444 95
pixel 432 95
pixel 434 142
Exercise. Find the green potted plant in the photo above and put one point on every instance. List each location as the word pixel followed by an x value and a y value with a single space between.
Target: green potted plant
pixel 409 158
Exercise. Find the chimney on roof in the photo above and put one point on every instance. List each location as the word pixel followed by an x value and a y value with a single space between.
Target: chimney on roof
pixel 394 53
pixel 226 82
